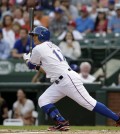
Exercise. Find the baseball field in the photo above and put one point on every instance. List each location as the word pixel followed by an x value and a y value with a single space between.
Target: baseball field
pixel 74 130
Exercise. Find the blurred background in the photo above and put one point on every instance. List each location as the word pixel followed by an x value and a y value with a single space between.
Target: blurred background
pixel 87 32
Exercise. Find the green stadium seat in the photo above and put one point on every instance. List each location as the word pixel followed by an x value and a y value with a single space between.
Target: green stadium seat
pixel 115 46
pixel 111 35
pixel 99 51
pixel 85 48
pixel 91 36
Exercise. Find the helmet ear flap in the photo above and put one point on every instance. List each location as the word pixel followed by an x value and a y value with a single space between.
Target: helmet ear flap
pixel 40 38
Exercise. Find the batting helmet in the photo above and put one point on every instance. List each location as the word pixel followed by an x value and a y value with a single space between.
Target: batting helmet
pixel 42 32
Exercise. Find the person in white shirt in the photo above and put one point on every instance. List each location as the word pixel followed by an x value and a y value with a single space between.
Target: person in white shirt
pixel 70 48
pixel 23 108
pixel 8 33
pixel 85 75
pixel 18 16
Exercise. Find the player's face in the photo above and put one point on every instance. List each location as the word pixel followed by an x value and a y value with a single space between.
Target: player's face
pixel 35 39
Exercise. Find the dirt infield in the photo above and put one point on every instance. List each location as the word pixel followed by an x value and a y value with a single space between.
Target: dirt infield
pixel 69 132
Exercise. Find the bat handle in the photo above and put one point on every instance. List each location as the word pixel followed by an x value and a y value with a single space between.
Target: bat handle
pixel 30 49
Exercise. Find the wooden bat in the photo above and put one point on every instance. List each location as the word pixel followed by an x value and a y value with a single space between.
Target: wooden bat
pixel 31 14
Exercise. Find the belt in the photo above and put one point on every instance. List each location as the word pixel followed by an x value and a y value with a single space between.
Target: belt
pixel 61 77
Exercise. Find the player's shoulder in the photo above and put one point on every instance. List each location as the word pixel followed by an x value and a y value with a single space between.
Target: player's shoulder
pixel 44 45
pixel 48 44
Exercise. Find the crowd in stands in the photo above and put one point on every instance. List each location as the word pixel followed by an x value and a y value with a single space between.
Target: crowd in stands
pixel 64 18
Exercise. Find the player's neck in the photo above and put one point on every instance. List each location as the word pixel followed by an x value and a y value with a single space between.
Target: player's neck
pixel 38 43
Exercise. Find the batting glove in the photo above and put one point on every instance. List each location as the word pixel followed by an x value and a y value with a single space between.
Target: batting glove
pixel 26 56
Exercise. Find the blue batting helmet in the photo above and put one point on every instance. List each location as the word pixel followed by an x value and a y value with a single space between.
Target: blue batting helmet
pixel 42 32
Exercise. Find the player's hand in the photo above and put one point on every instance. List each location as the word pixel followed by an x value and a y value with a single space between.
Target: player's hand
pixel 26 56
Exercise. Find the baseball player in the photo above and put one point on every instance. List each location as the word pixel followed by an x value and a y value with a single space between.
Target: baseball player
pixel 65 82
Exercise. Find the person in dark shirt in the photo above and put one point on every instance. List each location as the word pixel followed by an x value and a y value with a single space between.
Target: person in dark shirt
pixel 22 45
pixel 3 110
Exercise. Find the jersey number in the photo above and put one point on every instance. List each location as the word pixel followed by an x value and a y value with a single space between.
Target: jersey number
pixel 59 55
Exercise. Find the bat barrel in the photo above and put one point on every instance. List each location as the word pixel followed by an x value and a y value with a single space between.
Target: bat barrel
pixel 31 14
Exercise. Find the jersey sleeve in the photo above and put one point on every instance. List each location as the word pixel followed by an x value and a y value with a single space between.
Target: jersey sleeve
pixel 35 57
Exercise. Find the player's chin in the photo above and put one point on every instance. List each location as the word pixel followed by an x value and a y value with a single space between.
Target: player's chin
pixel 35 43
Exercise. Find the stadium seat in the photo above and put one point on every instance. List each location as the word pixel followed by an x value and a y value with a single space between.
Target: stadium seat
pixel 99 51
pixel 91 36
pixel 115 46
pixel 85 47
pixel 111 35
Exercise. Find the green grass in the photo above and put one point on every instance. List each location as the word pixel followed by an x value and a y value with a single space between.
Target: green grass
pixel 72 128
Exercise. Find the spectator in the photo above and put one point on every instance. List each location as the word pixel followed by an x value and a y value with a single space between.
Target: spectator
pixel 85 2
pixel 26 19
pixel 101 22
pixel 31 3
pixel 59 23
pixel 3 110
pixel 4 48
pixel 71 28
pixel 85 75
pixel 8 33
pixel 18 2
pixel 18 16
pixel 111 12
pixel 84 24
pixel 44 20
pixel 114 23
pixel 70 48
pixel 103 3
pixel 47 4
pixel 93 12
pixel 21 45
pixel 36 23
pixel 23 108
pixel 56 5
pixel 16 29
pixel 70 10
pixel 4 6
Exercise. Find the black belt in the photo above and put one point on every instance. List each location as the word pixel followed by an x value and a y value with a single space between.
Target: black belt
pixel 61 77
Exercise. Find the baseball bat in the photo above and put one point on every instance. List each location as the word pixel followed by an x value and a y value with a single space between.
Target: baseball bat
pixel 31 14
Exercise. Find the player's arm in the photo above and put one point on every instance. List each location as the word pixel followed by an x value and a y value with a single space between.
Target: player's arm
pixel 37 75
pixel 32 59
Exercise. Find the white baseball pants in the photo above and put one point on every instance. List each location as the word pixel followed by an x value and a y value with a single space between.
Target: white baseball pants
pixel 70 86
